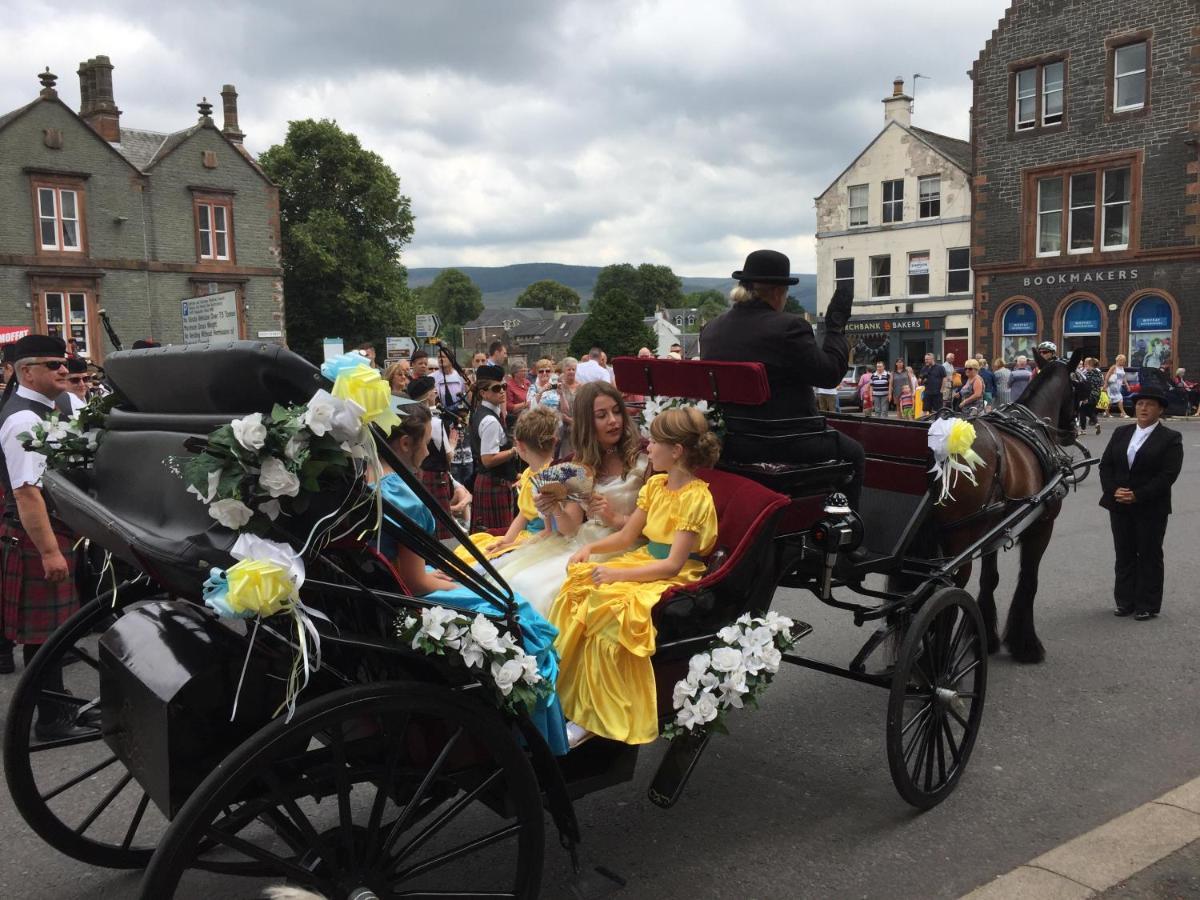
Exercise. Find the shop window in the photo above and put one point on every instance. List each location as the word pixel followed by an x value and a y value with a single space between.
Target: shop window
pixel 1129 80
pixel 1081 327
pixel 1151 324
pixel 1096 204
pixel 893 201
pixel 843 275
pixel 214 221
pixel 1019 331
pixel 918 273
pixel 858 205
pixel 881 276
pixel 1039 95
pixel 66 316
pixel 59 219
pixel 930 193
pixel 958 270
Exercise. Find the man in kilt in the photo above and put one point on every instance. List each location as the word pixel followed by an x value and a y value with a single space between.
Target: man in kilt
pixel 435 470
pixel 38 559
pixel 493 453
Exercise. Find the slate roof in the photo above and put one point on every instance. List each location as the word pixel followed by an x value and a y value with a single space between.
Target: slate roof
pixel 551 331
pixel 958 152
pixel 140 146
pixel 496 316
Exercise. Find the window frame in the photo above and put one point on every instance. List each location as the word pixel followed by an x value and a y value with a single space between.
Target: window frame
pixel 1104 205
pixel 928 272
pixel 875 279
pixel 895 202
pixel 1099 167
pixel 89 287
pixel 950 270
pixel 865 207
pixel 57 185
pixel 1112 45
pixel 839 279
pixel 936 197
pixel 1039 212
pixel 1038 66
pixel 1117 76
pixel 212 202
pixel 1071 209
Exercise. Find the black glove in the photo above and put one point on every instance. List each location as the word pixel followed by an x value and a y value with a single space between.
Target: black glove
pixel 838 312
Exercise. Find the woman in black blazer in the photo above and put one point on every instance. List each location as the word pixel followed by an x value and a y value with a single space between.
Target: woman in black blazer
pixel 1138 467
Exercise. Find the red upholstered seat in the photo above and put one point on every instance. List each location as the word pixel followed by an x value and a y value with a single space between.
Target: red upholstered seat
pixel 697 379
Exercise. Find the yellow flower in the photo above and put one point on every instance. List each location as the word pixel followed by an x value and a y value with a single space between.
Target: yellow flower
pixel 364 386
pixel 260 587
pixel 961 438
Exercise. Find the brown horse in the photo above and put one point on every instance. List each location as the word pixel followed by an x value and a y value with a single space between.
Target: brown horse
pixel 1013 471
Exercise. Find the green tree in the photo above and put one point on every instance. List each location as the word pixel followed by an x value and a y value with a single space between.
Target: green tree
pixel 343 222
pixel 614 324
pixel 617 277
pixel 549 294
pixel 708 304
pixel 792 305
pixel 658 286
pixel 453 296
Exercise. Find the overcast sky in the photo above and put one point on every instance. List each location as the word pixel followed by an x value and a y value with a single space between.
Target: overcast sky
pixel 683 132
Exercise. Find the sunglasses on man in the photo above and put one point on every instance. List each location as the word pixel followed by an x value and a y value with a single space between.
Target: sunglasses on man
pixel 80 379
pixel 51 364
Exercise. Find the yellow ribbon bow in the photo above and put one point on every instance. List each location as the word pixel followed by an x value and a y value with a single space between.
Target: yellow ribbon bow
pixel 260 587
pixel 364 386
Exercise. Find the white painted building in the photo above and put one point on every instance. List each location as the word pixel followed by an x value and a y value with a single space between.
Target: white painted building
pixel 896 227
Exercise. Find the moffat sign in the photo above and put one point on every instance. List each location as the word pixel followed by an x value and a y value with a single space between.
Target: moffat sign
pixel 1068 278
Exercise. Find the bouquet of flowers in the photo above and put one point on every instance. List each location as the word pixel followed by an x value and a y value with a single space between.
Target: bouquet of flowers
pixel 655 405
pixel 69 443
pixel 733 672
pixel 564 481
pixel 477 645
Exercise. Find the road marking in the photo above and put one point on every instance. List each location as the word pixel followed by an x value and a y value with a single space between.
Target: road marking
pixel 1107 855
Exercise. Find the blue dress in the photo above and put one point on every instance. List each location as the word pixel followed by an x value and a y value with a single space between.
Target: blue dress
pixel 536 632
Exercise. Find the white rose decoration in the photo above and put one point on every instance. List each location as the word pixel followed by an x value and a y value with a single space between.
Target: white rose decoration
pixel 684 691
pixel 276 480
pixel 772 658
pixel 507 675
pixel 726 659
pixel 270 509
pixel 472 653
pixel 213 479
pixel 250 432
pixel 319 417
pixel 295 445
pixel 434 621
pixel 486 634
pixel 231 513
pixel 346 424
pixel 698 664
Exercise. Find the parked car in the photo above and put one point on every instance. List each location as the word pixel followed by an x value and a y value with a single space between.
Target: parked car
pixel 1177 401
pixel 848 390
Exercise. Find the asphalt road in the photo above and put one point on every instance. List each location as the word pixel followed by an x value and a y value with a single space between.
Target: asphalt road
pixel 797 802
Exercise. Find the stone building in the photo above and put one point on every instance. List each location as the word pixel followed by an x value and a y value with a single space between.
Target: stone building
pixel 134 222
pixel 895 228
pixel 1085 122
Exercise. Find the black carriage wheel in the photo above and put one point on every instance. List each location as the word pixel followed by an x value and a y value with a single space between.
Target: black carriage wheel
pixel 356 792
pixel 73 791
pixel 1076 452
pixel 936 700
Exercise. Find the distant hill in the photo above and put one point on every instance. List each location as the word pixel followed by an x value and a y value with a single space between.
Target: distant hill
pixel 501 285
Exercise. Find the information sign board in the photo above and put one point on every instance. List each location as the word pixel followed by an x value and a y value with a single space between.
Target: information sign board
pixel 213 317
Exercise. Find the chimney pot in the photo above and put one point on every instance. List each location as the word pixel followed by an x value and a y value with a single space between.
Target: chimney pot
pixel 231 128
pixel 897 86
pixel 48 80
pixel 97 106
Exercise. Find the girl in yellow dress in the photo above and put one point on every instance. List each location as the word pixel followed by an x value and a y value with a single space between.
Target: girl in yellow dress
pixel 535 434
pixel 606 636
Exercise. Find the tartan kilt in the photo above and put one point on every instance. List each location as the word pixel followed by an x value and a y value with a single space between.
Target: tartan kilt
pixel 493 503
pixel 439 487
pixel 34 607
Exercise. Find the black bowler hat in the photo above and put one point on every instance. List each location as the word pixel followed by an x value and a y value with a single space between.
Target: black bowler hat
pixel 76 365
pixel 419 387
pixel 38 345
pixel 489 373
pixel 1150 392
pixel 767 267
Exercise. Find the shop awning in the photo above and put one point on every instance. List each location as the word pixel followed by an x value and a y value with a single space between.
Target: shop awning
pixel 10 333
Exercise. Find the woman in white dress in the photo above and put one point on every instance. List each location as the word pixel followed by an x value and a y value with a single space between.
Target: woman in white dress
pixel 606 442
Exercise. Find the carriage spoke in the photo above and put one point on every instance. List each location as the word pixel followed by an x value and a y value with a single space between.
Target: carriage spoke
pixel 414 802
pixel 59 743
pixel 295 814
pixel 958 634
pixel 136 821
pixel 78 654
pixel 917 715
pixel 104 803
pixel 375 821
pixel 345 816
pixel 931 739
pixel 954 748
pixel 456 895
pixel 509 831
pixel 963 674
pixel 967 648
pixel 941 748
pixel 959 719
pixel 262 855
pixel 82 776
pixel 445 818
pixel 918 740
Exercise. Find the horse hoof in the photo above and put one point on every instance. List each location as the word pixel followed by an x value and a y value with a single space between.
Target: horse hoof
pixel 1028 653
pixel 993 644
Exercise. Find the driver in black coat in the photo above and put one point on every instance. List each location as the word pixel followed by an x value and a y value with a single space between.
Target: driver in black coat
pixel 757 329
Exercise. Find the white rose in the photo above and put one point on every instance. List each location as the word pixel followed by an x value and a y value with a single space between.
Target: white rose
pixel 726 659
pixel 752 660
pixel 472 654
pixel 270 509
pixel 708 681
pixel 56 433
pixel 93 438
pixel 486 634
pixel 757 637
pixel 733 687
pixel 295 445
pixel 276 480
pixel 507 675
pixel 231 513
pixel 684 691
pixel 699 664
pixel 434 620
pixel 213 479
pixel 730 634
pixel 346 424
pixel 706 707
pixel 318 418
pixel 771 659
pixel 778 623
pixel 529 669
pixel 250 431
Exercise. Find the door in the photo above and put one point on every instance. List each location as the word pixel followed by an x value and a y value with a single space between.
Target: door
pixel 957 346
pixel 915 350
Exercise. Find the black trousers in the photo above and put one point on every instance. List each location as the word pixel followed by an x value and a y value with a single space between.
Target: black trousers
pixel 1138 562
pixel 1087 414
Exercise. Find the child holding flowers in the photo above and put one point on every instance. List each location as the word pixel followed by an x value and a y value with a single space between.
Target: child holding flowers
pixel 606 636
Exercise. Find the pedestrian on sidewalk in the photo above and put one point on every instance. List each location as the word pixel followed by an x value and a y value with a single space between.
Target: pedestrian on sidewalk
pixel 1138 467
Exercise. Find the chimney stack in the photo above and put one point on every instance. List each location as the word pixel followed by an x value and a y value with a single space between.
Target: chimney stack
pixel 97 106
pixel 898 107
pixel 229 103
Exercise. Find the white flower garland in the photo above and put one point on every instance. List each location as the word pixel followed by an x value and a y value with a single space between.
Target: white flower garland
pixel 656 405
pixel 492 656
pixel 734 672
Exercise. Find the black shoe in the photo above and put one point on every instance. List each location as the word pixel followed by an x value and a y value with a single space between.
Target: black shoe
pixel 1143 616
pixel 1122 613
pixel 59 724
pixel 7 667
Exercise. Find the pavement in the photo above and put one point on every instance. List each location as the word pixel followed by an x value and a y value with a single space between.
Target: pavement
pixel 797 801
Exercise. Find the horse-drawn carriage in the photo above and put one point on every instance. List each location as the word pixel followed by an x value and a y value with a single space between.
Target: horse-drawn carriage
pixel 397 775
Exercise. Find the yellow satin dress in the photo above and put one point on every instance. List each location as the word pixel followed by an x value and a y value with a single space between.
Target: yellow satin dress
pixel 534 525
pixel 605 633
